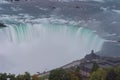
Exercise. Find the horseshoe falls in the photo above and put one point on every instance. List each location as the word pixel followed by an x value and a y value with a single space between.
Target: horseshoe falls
pixel 47 43
pixel 84 38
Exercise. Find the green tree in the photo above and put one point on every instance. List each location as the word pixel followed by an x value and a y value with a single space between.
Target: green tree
pixel 118 73
pixel 112 74
pixel 20 77
pixel 100 74
pixel 59 74
pixel 95 67
pixel 3 76
pixel 11 76
pixel 27 76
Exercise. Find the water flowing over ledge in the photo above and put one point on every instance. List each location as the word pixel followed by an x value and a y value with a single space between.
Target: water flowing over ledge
pixel 84 38
pixel 54 39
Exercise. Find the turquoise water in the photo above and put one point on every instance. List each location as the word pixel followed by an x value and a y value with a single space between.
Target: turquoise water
pixel 85 38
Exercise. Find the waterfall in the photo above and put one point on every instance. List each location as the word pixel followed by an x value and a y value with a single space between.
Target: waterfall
pixel 39 46
pixel 78 37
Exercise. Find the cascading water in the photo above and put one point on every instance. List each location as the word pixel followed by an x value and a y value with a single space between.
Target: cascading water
pixel 87 39
pixel 51 39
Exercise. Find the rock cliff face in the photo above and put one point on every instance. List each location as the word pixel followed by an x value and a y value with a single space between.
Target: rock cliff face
pixel 87 62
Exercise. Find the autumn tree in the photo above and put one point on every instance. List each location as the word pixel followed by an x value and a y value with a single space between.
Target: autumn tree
pixel 35 77
pixel 77 74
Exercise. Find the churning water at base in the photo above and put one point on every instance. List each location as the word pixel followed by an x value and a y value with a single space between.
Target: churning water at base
pixel 35 47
